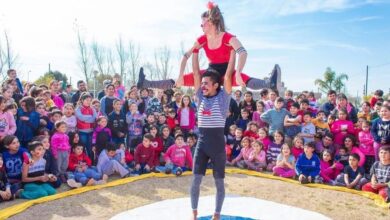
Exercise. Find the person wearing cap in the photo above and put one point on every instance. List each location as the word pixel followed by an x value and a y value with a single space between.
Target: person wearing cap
pixel 81 87
pixel 102 93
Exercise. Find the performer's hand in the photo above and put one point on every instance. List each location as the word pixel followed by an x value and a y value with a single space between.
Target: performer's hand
pixel 179 81
pixel 239 80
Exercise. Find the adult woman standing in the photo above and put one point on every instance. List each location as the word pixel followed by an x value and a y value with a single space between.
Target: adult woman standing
pixel 220 48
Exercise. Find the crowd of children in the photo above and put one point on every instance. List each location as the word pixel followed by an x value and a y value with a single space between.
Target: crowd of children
pixel 50 137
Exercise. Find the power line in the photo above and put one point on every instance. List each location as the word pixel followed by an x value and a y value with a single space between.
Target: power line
pixel 380 65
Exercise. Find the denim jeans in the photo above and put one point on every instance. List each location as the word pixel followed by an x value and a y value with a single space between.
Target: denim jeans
pixel 83 177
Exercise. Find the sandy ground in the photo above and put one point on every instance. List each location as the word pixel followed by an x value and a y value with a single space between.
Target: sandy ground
pixel 105 203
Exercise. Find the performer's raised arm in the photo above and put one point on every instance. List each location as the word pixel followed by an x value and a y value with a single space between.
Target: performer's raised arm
pixel 186 56
pixel 196 70
pixel 242 55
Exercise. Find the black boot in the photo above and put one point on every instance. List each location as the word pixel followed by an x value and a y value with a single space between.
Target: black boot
pixel 141 78
pixel 275 80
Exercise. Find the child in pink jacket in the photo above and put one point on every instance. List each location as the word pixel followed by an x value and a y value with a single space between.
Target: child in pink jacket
pixel 329 168
pixel 366 145
pixel 257 160
pixel 341 128
pixel 246 150
pixel 60 148
pixel 178 157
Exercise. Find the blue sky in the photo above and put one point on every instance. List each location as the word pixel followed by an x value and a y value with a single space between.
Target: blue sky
pixel 304 36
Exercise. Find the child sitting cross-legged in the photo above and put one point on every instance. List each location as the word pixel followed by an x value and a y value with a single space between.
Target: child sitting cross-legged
pixel 36 181
pixel 285 163
pixel 107 163
pixel 80 164
pixel 353 176
pixel 177 157
pixel 256 160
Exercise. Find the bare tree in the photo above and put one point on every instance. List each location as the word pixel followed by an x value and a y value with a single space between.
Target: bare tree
pixel 98 56
pixel 111 60
pixel 150 71
pixel 134 55
pixel 84 61
pixel 2 63
pixel 9 53
pixel 122 58
pixel 162 57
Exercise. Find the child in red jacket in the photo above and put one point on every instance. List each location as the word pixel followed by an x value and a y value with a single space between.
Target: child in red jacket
pixel 80 164
pixel 144 156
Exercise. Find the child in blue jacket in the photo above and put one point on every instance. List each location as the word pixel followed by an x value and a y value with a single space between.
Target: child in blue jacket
pixel 308 165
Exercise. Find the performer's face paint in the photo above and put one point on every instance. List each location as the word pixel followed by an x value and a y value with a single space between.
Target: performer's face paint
pixel 208 87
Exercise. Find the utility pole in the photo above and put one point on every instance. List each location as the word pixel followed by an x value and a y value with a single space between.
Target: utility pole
pixel 366 91
pixel 49 68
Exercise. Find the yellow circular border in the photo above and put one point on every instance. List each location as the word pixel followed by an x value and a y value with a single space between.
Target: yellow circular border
pixel 18 208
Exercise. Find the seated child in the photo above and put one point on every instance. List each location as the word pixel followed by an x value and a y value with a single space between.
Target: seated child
pixel 285 163
pixel 256 160
pixel 321 126
pixel 51 162
pixel 124 157
pixel 80 164
pixel 191 142
pixel 13 159
pixel 353 176
pixel 380 175
pixel 144 156
pixel 178 157
pixel 274 149
pixel 5 187
pixel 329 168
pixel 308 165
pixel 107 163
pixel 246 149
pixel 33 175
pixel 342 156
pixel 297 148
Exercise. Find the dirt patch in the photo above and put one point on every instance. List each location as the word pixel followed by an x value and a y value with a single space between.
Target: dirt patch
pixel 105 203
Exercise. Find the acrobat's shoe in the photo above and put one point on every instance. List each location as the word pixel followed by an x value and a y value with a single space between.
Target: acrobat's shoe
pixel 276 80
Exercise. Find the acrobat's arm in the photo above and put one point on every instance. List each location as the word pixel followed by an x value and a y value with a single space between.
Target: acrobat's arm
pixel 242 55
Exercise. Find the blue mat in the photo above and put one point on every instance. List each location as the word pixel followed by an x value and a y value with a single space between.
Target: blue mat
pixel 226 217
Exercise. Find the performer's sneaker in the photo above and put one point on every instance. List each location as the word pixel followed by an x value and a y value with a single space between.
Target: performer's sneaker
pixel 275 80
pixel 141 78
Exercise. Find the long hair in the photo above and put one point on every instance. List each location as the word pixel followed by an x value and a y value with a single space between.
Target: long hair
pixel 214 15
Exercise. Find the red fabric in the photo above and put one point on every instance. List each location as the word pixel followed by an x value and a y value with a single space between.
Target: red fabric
pixel 296 152
pixel 381 191
pixel 158 146
pixel 128 157
pixel 251 134
pixel 75 160
pixel 220 54
pixel 144 155
pixel 189 78
pixel 373 101
pixel 81 125
pixel 171 122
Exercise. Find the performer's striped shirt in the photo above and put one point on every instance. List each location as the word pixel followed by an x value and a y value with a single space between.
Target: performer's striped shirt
pixel 212 111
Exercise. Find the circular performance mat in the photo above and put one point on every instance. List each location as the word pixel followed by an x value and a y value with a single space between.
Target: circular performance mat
pixel 234 208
